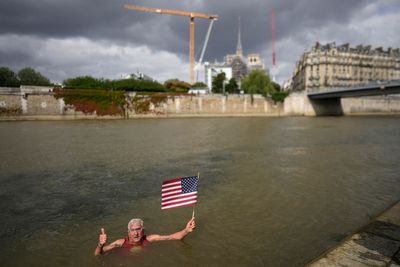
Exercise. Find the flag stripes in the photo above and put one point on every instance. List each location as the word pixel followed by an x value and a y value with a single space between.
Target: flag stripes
pixel 179 192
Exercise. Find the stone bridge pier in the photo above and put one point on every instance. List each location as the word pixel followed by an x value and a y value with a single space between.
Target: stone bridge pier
pixel 327 107
pixel 298 104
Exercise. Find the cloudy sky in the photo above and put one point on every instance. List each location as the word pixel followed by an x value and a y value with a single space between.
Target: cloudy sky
pixel 68 38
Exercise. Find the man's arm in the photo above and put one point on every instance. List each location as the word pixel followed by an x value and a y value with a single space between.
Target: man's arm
pixel 175 236
pixel 102 247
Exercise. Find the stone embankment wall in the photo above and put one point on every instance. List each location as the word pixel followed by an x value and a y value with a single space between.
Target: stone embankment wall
pixel 213 105
pixel 388 104
pixel 29 102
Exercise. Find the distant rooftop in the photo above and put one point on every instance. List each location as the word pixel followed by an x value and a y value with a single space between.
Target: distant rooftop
pixel 362 49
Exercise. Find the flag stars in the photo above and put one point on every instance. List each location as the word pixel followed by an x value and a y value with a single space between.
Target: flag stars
pixel 189 184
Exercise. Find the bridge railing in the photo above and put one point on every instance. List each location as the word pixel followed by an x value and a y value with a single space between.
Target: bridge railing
pixel 370 85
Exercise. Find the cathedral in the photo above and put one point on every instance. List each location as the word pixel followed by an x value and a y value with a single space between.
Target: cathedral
pixel 234 65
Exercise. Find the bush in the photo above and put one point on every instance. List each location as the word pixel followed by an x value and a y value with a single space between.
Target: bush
pixel 89 101
pixel 175 85
pixel 199 85
pixel 84 82
pixel 88 82
pixel 279 96
pixel 136 85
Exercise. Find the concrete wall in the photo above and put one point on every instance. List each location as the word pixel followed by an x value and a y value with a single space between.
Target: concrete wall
pixel 298 104
pixel 213 105
pixel 42 105
pixel 389 104
pixel 222 105
pixel 10 105
pixel 39 103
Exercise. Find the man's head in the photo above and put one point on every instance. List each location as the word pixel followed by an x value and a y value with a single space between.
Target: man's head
pixel 135 230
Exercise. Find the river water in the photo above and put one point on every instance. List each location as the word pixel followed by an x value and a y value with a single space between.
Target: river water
pixel 273 191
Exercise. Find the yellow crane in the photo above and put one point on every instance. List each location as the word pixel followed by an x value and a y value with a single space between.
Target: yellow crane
pixel 191 15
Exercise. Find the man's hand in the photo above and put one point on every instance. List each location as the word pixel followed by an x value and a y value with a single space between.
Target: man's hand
pixel 190 225
pixel 102 237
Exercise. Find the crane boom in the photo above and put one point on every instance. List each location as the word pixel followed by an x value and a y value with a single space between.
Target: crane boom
pixel 203 50
pixel 191 15
pixel 172 12
pixel 206 42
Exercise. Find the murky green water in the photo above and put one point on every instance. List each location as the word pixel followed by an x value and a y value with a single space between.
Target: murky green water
pixel 273 191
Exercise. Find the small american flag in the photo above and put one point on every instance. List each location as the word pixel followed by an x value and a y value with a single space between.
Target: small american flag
pixel 179 192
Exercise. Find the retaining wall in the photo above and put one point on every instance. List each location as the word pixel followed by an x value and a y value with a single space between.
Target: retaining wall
pixel 39 103
pixel 213 105
pixel 389 104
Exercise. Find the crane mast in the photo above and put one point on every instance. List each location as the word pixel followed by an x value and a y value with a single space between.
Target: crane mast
pixel 192 16
pixel 273 44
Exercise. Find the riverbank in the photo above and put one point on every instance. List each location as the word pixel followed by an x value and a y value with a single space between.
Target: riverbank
pixel 42 103
pixel 173 116
pixel 376 244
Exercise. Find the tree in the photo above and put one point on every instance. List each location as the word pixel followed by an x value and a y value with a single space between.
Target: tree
pixel 218 82
pixel 257 82
pixel 29 76
pixel 175 85
pixel 83 82
pixel 199 85
pixel 232 86
pixel 8 78
pixel 279 96
pixel 277 87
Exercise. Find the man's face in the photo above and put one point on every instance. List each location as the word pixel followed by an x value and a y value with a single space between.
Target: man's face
pixel 135 233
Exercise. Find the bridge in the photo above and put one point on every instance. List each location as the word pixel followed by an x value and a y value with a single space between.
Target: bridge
pixel 328 101
pixel 369 89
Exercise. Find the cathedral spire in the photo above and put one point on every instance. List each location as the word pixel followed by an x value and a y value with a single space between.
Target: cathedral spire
pixel 239 50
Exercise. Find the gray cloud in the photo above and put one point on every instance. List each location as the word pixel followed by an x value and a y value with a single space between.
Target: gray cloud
pixel 59 38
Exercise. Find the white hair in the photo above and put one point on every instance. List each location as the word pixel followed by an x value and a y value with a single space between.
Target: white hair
pixel 135 221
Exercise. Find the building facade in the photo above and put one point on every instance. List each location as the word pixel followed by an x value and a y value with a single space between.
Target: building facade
pixel 212 70
pixel 255 62
pixel 330 66
pixel 138 76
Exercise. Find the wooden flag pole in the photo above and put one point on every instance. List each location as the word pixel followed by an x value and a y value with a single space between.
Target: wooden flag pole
pixel 194 206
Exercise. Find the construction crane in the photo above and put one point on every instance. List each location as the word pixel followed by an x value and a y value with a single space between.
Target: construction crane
pixel 273 44
pixel 192 16
pixel 203 50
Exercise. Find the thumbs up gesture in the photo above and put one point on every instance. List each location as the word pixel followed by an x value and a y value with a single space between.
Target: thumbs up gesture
pixel 102 237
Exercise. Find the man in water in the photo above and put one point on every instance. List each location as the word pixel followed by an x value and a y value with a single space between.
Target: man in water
pixel 136 237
